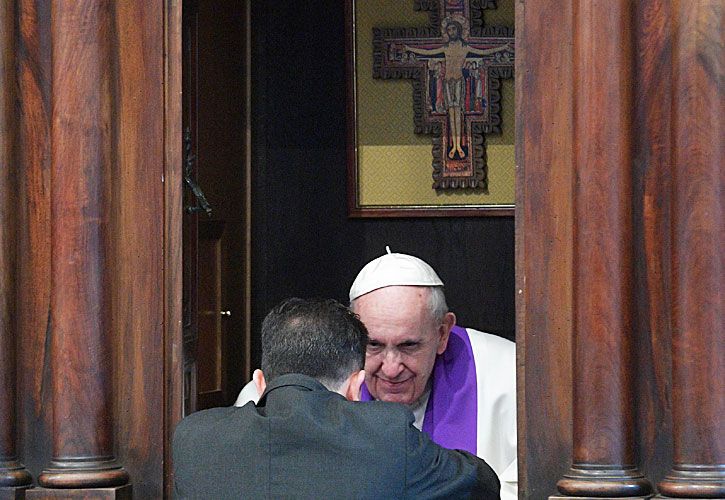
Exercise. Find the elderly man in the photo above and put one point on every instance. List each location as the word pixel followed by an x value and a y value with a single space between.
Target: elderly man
pixel 460 383
pixel 306 437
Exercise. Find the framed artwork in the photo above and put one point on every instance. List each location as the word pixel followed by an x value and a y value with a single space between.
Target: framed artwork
pixel 430 107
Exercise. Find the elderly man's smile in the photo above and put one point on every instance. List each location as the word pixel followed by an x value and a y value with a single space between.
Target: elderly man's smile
pixel 392 385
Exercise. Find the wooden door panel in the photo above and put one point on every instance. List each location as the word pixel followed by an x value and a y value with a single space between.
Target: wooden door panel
pixel 210 322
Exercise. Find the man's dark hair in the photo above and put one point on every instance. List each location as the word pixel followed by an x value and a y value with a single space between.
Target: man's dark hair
pixel 316 337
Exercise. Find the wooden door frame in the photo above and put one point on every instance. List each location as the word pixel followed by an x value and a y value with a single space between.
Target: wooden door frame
pixel 173 196
pixel 543 234
pixel 173 211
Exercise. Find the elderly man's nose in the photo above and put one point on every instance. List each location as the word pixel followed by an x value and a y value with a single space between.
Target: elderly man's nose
pixel 392 365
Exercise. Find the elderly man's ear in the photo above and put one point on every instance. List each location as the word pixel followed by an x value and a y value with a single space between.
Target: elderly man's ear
pixel 449 321
pixel 259 382
pixel 351 388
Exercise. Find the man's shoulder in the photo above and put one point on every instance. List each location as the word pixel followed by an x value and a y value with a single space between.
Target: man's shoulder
pixel 379 423
pixel 209 443
pixel 394 414
pixel 207 422
pixel 208 416
pixel 395 410
pixel 490 336
pixel 494 355
pixel 492 343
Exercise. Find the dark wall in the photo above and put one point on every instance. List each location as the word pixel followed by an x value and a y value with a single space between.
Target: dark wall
pixel 303 242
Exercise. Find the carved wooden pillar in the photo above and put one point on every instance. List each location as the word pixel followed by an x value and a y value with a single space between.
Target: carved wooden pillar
pixel 81 144
pixel 12 474
pixel 698 348
pixel 604 461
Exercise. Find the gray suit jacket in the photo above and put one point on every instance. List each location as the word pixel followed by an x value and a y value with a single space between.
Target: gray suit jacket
pixel 303 441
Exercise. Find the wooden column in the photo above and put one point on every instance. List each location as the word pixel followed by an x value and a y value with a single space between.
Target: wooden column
pixel 651 215
pixel 698 258
pixel 81 360
pixel 604 458
pixel 12 474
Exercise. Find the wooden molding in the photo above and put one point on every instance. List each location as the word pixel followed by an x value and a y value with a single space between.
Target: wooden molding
pixel 115 493
pixel 12 473
pixel 173 202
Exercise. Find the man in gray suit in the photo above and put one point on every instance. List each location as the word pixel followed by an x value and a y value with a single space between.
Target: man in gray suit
pixel 308 437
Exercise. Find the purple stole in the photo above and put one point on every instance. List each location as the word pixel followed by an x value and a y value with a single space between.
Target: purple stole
pixel 451 416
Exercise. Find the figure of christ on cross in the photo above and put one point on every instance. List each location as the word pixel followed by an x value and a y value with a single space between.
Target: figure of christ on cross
pixel 455 51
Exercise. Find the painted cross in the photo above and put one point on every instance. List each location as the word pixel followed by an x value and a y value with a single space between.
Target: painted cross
pixel 456 65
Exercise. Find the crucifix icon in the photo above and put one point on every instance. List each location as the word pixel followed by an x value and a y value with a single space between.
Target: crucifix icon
pixel 456 72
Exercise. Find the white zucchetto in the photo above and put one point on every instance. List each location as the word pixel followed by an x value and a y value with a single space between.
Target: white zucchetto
pixel 393 269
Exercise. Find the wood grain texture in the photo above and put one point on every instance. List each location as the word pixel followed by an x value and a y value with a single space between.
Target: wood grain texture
pixel 698 260
pixel 81 361
pixel 651 228
pixel 33 156
pixel 544 243
pixel 134 322
pixel 12 473
pixel 136 241
pixel 172 274
pixel 604 459
pixel 7 238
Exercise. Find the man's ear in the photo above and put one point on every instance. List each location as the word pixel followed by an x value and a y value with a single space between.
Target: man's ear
pixel 353 384
pixel 259 382
pixel 449 321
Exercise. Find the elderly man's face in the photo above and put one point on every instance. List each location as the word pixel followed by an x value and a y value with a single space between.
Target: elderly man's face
pixel 404 341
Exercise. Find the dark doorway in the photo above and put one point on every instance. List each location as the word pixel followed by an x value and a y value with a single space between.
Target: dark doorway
pixel 303 242
pixel 215 300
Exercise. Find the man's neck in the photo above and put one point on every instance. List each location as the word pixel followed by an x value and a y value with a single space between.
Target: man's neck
pixel 418 407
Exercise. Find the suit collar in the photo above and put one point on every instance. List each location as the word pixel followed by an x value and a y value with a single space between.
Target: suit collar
pixel 292 380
